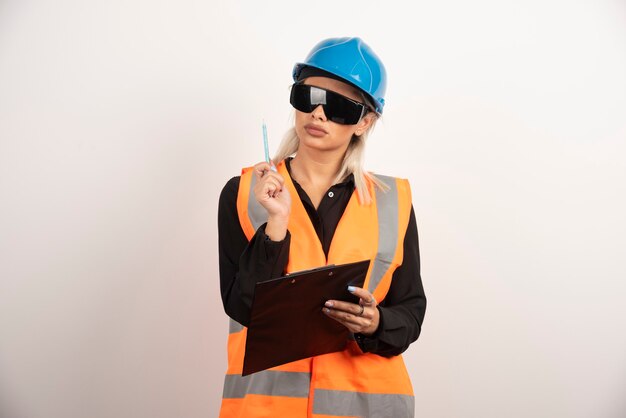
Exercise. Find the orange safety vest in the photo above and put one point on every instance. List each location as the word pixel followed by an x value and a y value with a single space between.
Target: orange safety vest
pixel 349 383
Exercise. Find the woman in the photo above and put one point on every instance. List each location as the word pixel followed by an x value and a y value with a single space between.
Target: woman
pixel 318 206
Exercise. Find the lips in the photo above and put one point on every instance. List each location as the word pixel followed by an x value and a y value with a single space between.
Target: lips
pixel 314 130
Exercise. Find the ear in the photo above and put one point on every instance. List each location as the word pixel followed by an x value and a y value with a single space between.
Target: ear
pixel 365 123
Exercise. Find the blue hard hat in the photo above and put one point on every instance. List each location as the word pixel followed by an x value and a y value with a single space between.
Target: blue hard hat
pixel 352 60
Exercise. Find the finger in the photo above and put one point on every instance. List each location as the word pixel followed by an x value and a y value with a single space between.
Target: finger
pixel 275 176
pixel 269 190
pixel 351 308
pixel 272 187
pixel 261 168
pixel 271 178
pixel 366 297
pixel 267 181
pixel 278 184
pixel 350 321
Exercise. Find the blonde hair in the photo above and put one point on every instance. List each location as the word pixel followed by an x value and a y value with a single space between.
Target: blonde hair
pixel 352 162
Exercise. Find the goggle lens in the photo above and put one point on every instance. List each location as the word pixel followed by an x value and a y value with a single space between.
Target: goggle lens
pixel 337 108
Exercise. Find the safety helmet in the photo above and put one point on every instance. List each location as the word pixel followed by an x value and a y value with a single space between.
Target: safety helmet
pixel 352 60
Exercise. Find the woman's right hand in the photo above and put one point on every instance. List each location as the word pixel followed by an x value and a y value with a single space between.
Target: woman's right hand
pixel 271 193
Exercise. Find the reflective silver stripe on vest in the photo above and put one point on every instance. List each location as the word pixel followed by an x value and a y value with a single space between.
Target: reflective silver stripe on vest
pixel 267 382
pixel 256 212
pixel 364 405
pixel 234 326
pixel 387 207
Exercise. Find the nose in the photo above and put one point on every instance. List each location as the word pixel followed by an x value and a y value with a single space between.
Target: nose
pixel 318 113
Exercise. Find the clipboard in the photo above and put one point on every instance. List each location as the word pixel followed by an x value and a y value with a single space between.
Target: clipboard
pixel 287 322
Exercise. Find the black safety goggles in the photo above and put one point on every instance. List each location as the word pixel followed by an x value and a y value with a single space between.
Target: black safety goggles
pixel 337 108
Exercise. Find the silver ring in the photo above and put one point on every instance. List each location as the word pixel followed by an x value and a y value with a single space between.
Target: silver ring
pixel 362 310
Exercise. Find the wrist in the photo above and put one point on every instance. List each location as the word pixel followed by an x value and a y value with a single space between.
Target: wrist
pixel 276 228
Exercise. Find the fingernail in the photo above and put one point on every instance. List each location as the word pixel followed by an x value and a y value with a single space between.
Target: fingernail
pixel 351 289
pixel 329 303
pixel 326 310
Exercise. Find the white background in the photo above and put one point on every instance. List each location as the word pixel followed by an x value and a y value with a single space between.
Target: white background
pixel 120 121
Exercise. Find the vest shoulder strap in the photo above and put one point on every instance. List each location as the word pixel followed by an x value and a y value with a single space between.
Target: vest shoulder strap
pixel 394 209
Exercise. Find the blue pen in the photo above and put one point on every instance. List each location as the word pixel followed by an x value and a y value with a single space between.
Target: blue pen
pixel 266 147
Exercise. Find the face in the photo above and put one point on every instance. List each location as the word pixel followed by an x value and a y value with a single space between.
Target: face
pixel 317 132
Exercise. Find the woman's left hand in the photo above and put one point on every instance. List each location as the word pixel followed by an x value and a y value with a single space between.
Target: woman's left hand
pixel 358 318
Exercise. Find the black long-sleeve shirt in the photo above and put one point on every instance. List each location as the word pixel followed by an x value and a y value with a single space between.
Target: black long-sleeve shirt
pixel 243 264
